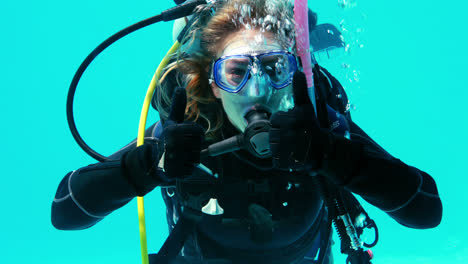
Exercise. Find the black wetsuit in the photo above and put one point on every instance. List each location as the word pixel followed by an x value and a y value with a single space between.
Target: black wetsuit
pixel 407 194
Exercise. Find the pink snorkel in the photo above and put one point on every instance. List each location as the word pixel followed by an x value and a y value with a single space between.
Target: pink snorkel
pixel 301 21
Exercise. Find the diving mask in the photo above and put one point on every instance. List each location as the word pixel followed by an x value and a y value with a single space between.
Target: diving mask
pixel 232 72
pixel 254 81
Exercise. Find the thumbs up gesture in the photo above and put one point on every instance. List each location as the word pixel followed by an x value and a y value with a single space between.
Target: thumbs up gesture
pixel 182 140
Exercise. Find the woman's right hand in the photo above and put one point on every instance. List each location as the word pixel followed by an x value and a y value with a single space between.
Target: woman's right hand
pixel 182 140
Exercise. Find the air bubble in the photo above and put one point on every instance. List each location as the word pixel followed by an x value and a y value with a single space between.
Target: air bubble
pixel 347 48
pixel 278 19
pixel 347 3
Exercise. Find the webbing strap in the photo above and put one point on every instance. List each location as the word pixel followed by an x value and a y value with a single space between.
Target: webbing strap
pixel 174 242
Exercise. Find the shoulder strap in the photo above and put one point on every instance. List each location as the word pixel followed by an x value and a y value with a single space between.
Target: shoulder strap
pixel 157 130
pixel 331 103
pixel 333 92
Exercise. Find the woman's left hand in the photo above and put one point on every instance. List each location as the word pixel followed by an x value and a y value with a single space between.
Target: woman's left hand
pixel 297 141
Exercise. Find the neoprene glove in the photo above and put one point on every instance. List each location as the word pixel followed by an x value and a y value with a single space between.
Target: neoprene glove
pixel 140 168
pixel 296 140
pixel 182 140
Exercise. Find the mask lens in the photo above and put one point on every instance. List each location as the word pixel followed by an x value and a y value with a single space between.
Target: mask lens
pixel 279 67
pixel 232 72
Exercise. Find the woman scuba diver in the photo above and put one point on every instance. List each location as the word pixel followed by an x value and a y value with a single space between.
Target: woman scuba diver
pixel 243 157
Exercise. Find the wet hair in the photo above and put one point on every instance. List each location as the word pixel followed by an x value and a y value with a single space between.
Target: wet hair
pixel 190 66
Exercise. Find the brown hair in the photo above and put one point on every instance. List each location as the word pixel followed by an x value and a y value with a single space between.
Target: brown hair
pixel 200 45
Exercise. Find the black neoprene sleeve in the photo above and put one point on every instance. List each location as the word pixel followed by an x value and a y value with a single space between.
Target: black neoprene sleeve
pixel 85 196
pixel 406 193
pixel 360 165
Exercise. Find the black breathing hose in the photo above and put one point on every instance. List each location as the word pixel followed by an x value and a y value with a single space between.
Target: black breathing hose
pixel 182 10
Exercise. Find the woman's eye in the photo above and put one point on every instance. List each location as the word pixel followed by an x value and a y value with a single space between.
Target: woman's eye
pixel 235 75
pixel 236 67
pixel 273 65
pixel 270 69
pixel 236 71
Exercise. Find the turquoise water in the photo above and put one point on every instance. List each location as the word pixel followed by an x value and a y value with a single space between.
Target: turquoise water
pixel 410 98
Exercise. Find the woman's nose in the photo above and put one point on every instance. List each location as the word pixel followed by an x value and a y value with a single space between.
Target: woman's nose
pixel 258 86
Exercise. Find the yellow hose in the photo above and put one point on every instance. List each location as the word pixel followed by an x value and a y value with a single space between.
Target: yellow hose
pixel 140 141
